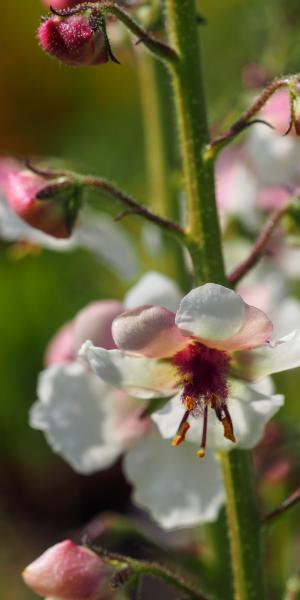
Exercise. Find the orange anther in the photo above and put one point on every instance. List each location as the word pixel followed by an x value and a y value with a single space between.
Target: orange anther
pixel 180 437
pixel 189 402
pixel 228 429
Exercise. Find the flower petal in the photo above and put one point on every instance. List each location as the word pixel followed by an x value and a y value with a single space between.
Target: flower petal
pixel 282 356
pixel 149 331
pixel 141 377
pixel 178 489
pixel 75 411
pixel 211 312
pixel 154 288
pixel 94 322
pixel 256 330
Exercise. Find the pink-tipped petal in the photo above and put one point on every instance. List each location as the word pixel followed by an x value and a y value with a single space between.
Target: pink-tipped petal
pixel 149 331
pixel 256 331
pixel 61 348
pixel 281 356
pixel 94 323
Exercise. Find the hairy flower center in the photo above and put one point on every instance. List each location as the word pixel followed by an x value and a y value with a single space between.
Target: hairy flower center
pixel 203 374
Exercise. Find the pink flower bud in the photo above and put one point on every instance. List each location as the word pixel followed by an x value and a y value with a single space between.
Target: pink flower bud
pixel 73 41
pixel 94 323
pixel 61 348
pixel 61 4
pixel 54 215
pixel 68 572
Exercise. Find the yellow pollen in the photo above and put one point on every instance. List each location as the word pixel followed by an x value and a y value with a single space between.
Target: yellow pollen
pixel 189 402
pixel 201 452
pixel 228 431
pixel 180 437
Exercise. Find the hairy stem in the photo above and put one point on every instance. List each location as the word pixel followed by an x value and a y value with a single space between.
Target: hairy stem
pixel 203 225
pixel 205 248
pixel 288 503
pixel 132 206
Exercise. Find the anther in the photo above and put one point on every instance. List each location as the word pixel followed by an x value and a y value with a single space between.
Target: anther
pixel 227 425
pixel 180 437
pixel 228 429
pixel 182 430
pixel 189 402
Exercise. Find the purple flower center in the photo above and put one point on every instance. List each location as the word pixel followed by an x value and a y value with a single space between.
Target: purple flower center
pixel 203 374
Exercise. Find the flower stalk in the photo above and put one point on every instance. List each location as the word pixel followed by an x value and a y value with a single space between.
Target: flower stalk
pixel 206 251
pixel 203 226
pixel 129 568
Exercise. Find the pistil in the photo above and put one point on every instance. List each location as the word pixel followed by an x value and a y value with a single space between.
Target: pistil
pixel 201 451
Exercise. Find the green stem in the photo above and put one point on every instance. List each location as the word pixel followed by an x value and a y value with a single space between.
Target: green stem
pixel 160 156
pixel 244 525
pixel 206 252
pixel 204 231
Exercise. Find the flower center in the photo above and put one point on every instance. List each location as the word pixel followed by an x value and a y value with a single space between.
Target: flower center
pixel 203 374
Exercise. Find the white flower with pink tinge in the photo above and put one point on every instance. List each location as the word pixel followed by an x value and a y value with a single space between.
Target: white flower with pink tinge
pixel 90 421
pixel 213 336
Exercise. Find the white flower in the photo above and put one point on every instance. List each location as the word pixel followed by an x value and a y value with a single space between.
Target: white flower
pixel 213 336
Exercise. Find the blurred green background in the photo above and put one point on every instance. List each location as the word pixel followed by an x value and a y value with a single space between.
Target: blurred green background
pixel 93 118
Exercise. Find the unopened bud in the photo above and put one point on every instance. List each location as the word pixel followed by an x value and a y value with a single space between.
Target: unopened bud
pixel 74 40
pixel 61 4
pixel 67 571
pixel 55 214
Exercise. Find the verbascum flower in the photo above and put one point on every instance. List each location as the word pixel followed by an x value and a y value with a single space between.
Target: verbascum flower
pixel 194 357
pixel 67 571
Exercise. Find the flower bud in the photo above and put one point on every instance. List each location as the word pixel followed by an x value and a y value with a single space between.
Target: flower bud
pixel 74 40
pixel 61 4
pixel 67 571
pixel 55 214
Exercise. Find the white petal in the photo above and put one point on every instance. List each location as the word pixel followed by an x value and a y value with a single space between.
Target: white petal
pixel 154 288
pixel 169 416
pixel 282 356
pixel 75 411
pixel 177 488
pixel 211 311
pixel 141 377
pixel 286 317
pixel 103 236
